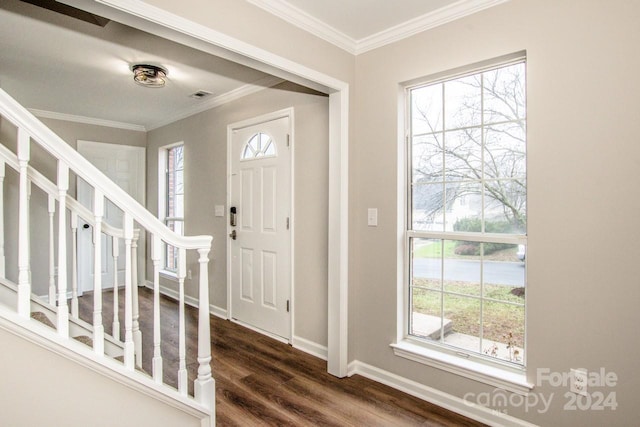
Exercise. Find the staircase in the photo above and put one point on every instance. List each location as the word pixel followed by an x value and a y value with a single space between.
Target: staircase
pixel 35 193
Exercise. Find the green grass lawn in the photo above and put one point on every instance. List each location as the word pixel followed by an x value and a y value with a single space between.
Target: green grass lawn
pixel 434 250
pixel 499 319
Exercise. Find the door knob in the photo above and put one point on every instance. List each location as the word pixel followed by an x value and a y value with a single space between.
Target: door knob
pixel 233 235
pixel 85 226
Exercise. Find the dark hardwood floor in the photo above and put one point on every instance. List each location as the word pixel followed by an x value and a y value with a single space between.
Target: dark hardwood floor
pixel 260 381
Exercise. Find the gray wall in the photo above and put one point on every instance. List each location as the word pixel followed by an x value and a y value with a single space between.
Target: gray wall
pixel 583 161
pixel 583 200
pixel 205 139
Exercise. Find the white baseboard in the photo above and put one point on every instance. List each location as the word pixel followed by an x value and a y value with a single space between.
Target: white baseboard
pixel 189 300
pixel 310 347
pixel 437 397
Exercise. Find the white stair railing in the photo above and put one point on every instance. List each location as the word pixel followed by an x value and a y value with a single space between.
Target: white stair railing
pixel 98 329
pixel 63 309
pixel 24 279
pixel 115 326
pixel 31 131
pixel 74 264
pixel 52 258
pixel 156 248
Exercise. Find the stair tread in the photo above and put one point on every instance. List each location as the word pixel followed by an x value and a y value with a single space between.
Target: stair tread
pixel 42 318
pixel 84 340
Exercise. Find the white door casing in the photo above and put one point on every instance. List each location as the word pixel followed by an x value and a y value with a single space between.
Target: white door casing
pixel 260 257
pixel 125 165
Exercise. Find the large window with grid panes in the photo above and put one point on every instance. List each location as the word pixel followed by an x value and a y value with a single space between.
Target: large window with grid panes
pixel 465 240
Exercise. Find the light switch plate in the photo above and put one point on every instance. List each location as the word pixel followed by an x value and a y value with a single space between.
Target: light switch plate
pixel 219 210
pixel 372 217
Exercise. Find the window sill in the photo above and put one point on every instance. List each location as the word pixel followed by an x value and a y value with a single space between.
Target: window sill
pixel 505 379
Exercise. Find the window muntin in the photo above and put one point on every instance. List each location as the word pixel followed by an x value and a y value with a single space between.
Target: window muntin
pixel 467 213
pixel 259 146
pixel 174 201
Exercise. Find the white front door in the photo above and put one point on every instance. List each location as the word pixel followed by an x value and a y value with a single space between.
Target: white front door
pixel 260 254
pixel 125 165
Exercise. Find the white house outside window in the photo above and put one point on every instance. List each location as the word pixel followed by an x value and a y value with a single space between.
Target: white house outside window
pixel 466 214
pixel 173 199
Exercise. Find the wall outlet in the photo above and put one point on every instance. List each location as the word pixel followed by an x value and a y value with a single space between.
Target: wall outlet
pixel 578 381
pixel 189 276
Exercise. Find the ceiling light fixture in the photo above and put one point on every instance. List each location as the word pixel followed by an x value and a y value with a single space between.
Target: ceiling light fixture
pixel 149 75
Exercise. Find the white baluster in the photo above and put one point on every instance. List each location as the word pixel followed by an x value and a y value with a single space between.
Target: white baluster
pixel 98 328
pixel 52 255
pixel 137 334
pixel 29 187
pixel 115 328
pixel 182 353
pixel 2 259
pixel 129 349
pixel 24 280
pixel 204 386
pixel 63 308
pixel 74 264
pixel 156 248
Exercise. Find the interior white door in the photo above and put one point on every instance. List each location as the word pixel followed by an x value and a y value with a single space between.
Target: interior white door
pixel 260 192
pixel 125 165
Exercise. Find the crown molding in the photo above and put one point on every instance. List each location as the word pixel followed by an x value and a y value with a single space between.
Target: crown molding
pixel 307 22
pixel 303 20
pixel 425 22
pixel 242 91
pixel 43 114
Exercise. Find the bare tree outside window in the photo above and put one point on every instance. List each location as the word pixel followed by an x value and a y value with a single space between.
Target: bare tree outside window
pixel 467 156
pixel 469 139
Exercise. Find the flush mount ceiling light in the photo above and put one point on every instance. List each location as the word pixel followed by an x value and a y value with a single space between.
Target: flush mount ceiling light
pixel 149 75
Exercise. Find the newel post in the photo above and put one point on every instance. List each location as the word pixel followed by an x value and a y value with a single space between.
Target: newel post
pixel 204 386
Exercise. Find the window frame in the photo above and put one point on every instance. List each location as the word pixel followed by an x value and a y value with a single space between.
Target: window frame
pixel 469 364
pixel 163 199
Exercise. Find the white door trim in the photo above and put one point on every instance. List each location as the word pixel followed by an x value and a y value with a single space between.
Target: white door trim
pixel 173 27
pixel 288 113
